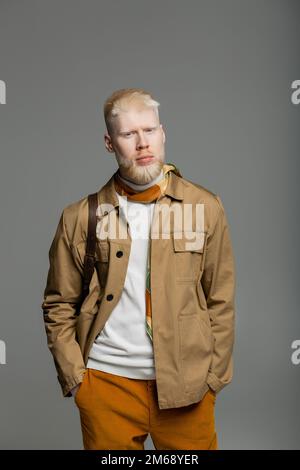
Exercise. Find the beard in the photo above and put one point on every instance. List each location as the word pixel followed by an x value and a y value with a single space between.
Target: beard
pixel 140 174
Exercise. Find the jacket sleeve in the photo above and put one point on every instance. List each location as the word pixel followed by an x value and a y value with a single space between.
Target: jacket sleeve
pixel 61 295
pixel 218 282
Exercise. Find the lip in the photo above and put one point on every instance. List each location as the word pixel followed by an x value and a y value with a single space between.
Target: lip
pixel 145 159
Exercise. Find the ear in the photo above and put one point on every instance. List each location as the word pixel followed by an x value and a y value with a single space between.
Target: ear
pixel 108 143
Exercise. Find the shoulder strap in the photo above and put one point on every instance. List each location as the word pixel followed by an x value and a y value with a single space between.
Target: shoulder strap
pixel 89 258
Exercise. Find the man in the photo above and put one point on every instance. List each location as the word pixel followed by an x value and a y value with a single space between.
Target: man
pixel 153 342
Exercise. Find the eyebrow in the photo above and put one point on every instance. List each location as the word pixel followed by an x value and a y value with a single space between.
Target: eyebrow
pixel 133 130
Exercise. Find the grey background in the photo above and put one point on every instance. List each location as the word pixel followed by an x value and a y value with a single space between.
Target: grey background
pixel 222 71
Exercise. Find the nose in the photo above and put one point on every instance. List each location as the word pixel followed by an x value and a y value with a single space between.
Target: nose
pixel 142 141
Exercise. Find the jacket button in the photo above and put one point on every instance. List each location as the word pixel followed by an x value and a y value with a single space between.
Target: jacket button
pixel 119 254
pixel 109 297
pixel 105 212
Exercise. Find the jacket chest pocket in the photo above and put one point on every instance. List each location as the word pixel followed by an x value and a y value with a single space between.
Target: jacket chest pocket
pixel 188 255
pixel 102 251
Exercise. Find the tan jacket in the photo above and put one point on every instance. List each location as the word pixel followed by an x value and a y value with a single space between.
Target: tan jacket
pixel 192 293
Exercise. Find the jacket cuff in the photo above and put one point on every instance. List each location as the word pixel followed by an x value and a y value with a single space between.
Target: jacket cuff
pixel 67 383
pixel 215 383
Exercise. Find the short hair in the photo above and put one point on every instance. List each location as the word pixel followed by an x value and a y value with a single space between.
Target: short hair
pixel 121 99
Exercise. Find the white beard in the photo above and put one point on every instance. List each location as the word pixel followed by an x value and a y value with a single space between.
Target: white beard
pixel 139 174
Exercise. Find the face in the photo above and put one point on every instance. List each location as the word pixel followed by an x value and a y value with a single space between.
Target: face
pixel 138 143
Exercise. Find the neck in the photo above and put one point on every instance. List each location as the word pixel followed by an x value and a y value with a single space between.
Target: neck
pixel 142 187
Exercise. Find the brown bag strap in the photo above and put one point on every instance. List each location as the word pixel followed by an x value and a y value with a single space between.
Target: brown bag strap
pixel 90 258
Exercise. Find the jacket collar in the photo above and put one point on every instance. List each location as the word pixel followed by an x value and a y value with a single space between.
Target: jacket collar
pixel 108 198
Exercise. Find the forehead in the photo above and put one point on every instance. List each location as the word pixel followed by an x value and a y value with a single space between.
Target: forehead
pixel 136 117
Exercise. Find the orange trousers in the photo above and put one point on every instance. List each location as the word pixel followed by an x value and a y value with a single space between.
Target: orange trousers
pixel 117 413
